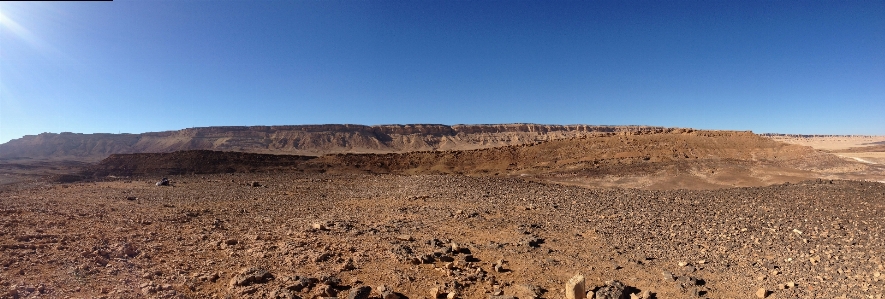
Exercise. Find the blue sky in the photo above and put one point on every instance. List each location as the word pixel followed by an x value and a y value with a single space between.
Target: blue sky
pixel 811 67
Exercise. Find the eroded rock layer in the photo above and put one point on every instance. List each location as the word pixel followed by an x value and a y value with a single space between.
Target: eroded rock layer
pixel 669 159
pixel 301 140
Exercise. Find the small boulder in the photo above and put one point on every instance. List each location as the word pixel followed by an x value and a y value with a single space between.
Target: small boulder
pixel 249 276
pixel 613 289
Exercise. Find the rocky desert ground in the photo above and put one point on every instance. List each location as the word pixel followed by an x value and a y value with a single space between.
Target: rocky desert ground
pixel 668 213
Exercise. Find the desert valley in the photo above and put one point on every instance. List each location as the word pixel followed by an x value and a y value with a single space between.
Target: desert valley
pixel 435 211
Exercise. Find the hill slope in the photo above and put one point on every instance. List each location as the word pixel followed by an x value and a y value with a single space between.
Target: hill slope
pixel 669 159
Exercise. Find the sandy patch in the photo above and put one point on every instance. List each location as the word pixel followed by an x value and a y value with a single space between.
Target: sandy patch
pixel 832 142
pixel 866 157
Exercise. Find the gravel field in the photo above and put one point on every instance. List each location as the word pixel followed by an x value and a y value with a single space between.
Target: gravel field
pixel 291 235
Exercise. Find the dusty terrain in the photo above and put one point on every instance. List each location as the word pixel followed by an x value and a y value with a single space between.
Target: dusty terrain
pixel 864 149
pixel 332 233
pixel 830 142
pixel 678 213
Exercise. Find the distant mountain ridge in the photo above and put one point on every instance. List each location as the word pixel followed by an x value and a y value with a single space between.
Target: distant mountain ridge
pixel 303 139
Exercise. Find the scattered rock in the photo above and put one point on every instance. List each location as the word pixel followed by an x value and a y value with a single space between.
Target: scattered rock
pixel 283 294
pixel 362 292
pixel 465 258
pixel 524 291
pixel 426 258
pixel 163 182
pixel 531 241
pixel 249 276
pixel 387 293
pixel 687 281
pixel 455 247
pixel 322 257
pixel 347 265
pixel 302 283
pixel 324 290
pixel 611 290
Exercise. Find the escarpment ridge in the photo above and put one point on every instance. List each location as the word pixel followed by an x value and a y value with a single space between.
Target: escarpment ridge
pixel 662 160
pixel 312 140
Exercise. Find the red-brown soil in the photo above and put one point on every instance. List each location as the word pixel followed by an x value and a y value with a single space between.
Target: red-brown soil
pixel 131 239
pixel 247 225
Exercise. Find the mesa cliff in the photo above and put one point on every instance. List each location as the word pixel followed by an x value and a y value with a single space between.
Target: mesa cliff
pixel 311 140
pixel 671 159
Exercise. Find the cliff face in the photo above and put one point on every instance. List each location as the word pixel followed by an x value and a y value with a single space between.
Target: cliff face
pixel 303 140
pixel 708 158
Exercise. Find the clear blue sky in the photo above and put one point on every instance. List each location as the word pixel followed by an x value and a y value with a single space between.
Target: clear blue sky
pixel 813 67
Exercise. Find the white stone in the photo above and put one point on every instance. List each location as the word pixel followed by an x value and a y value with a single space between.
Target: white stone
pixel 574 288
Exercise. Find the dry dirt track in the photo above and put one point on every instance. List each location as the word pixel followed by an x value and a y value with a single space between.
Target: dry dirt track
pixel 131 239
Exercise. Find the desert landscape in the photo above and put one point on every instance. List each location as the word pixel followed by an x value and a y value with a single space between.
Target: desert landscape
pixel 442 149
pixel 433 211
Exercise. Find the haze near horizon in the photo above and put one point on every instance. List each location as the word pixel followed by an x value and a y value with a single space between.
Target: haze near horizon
pixel 132 67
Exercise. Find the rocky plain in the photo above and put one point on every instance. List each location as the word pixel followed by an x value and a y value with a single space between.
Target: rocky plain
pixel 623 213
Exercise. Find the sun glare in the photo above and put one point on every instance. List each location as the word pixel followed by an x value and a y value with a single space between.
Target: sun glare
pixel 11 26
